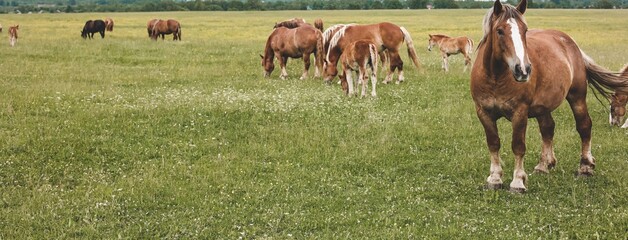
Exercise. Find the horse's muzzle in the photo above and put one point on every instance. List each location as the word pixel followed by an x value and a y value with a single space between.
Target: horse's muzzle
pixel 520 74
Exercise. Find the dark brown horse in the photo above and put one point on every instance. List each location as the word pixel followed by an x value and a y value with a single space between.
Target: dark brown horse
pixel 300 42
pixel 450 46
pixel 520 74
pixel 360 56
pixel 13 34
pixel 164 27
pixel 91 27
pixel 618 105
pixel 387 36
pixel 109 24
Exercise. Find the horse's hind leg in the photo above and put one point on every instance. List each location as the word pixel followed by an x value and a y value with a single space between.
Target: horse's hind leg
pixel 445 64
pixel 102 34
pixel 283 61
pixel 578 104
pixel 548 159
pixel 467 61
pixel 396 63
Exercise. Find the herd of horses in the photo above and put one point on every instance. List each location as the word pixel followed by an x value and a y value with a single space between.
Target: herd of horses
pixel 156 28
pixel 517 74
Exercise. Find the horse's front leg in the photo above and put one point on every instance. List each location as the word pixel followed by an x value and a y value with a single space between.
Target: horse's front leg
pixel 395 64
pixel 348 74
pixel 467 61
pixel 625 124
pixel 363 79
pixel 283 61
pixel 548 158
pixel 306 66
pixel 519 126
pixel 494 180
pixel 373 81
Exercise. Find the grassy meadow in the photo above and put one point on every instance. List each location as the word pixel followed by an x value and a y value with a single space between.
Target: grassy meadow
pixel 124 137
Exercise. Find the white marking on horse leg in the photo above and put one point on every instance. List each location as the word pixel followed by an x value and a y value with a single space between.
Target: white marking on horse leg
pixel 519 177
pixel 284 73
pixel 446 63
pixel 364 81
pixel 374 83
pixel 401 77
pixel 348 74
pixel 517 42
pixel 610 119
pixel 316 71
pixel 625 124
pixel 587 161
pixel 494 180
pixel 547 160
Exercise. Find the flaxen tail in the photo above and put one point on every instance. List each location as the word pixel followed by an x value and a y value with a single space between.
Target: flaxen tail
pixel 411 52
pixel 603 80
pixel 318 23
pixel 373 58
pixel 320 51
pixel 469 46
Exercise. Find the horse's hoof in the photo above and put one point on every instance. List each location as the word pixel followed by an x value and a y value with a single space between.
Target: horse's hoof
pixel 493 186
pixel 541 169
pixel 517 190
pixel 584 174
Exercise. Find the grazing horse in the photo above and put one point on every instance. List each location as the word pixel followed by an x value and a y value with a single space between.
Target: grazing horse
pixel 163 27
pixel 520 74
pixel 387 36
pixel 360 56
pixel 300 42
pixel 618 105
pixel 13 34
pixel 450 46
pixel 91 27
pixel 297 22
pixel 0 28
pixel 109 24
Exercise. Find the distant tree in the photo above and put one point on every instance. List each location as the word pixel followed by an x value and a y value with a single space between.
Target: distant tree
pixel 417 4
pixel 603 4
pixel 253 5
pixel 392 4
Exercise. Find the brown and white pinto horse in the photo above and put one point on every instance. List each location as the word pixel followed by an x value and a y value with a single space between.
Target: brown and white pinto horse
pixel 163 27
pixel 387 36
pixel 520 74
pixel 109 24
pixel 450 46
pixel 359 56
pixel 618 105
pixel 13 34
pixel 299 42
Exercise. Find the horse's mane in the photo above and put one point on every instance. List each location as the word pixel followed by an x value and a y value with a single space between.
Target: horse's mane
pixel 508 11
pixel 624 71
pixel 290 23
pixel 334 40
pixel 327 34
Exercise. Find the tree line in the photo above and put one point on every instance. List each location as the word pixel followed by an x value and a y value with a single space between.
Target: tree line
pixel 69 6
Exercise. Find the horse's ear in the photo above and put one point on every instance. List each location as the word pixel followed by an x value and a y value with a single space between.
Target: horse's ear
pixel 497 8
pixel 522 6
pixel 261 56
pixel 430 35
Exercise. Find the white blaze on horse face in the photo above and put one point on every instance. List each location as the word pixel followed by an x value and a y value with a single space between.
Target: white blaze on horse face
pixel 517 42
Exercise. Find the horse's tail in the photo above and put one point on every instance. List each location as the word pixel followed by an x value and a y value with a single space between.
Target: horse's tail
pixel 318 23
pixel 411 52
pixel 469 46
pixel 320 50
pixel 178 31
pixel 624 71
pixel 603 80
pixel 373 53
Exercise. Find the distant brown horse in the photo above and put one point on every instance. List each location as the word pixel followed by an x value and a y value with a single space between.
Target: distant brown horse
pixel 387 36
pixel 520 74
pixel 300 42
pixel 163 27
pixel 618 105
pixel 297 22
pixel 450 46
pixel 92 27
pixel 13 34
pixel 109 24
pixel 359 56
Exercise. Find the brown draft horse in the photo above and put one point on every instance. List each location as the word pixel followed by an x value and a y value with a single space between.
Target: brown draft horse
pixel 387 36
pixel 13 34
pixel 360 56
pixel 163 27
pixel 520 74
pixel 618 105
pixel 450 46
pixel 149 26
pixel 329 33
pixel 109 24
pixel 300 42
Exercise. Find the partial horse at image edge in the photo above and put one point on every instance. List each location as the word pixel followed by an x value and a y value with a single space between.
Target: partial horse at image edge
pixel 508 86
pixel 618 105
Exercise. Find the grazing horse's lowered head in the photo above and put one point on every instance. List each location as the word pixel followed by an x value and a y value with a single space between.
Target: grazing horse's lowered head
pixel 618 105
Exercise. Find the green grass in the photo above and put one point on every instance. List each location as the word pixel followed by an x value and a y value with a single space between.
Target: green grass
pixel 124 137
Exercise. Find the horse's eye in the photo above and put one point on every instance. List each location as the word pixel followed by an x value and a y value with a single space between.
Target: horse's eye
pixel 500 32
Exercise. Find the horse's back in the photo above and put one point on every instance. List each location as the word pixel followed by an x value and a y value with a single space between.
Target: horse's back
pixel 556 57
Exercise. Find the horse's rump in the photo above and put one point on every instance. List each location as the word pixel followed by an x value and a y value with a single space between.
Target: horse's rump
pixel 109 24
